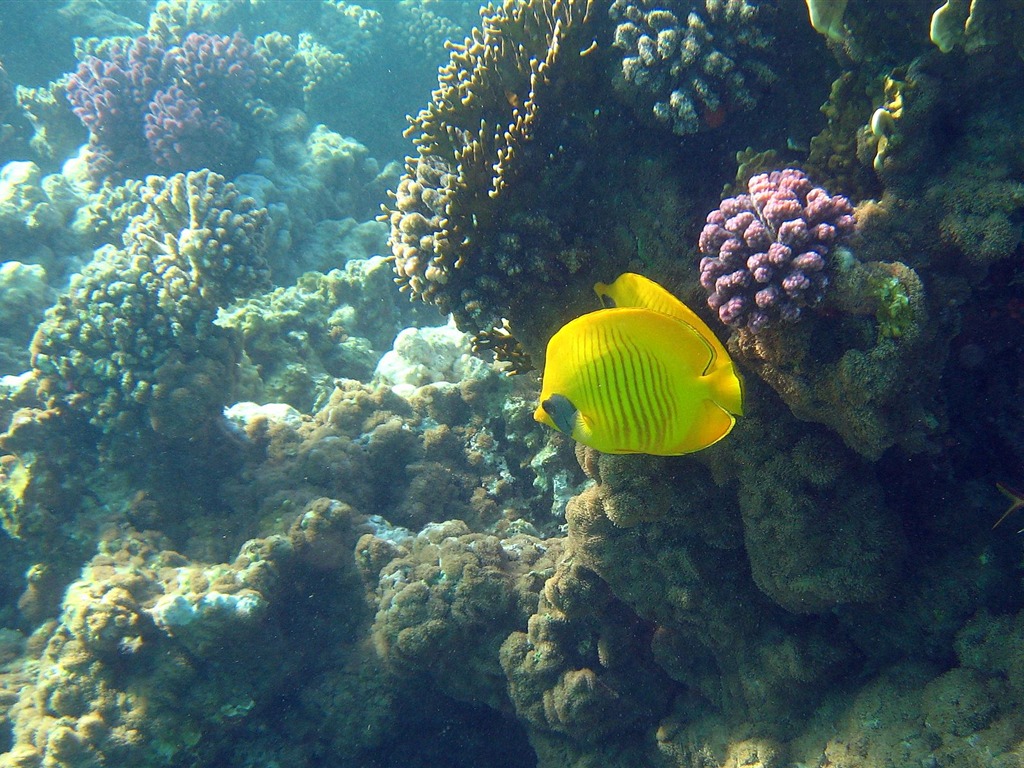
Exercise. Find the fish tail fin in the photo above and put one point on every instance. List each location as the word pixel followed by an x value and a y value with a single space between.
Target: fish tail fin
pixel 727 388
pixel 714 424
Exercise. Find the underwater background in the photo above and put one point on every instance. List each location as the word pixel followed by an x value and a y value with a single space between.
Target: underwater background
pixel 272 491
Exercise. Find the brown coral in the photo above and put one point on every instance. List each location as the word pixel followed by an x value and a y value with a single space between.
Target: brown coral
pixel 470 138
pixel 450 598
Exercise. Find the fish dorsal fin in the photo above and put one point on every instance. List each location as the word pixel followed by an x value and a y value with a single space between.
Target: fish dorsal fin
pixel 727 388
pixel 632 290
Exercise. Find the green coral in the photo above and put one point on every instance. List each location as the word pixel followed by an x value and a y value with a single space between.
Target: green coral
pixel 894 314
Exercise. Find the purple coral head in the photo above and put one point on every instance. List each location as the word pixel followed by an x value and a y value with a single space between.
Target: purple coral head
pixel 217 67
pixel 181 133
pixel 766 252
pixel 149 109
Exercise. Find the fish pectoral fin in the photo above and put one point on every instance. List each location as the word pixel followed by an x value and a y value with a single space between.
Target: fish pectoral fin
pixel 582 431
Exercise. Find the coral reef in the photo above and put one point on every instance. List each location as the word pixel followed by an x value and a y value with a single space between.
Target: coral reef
pixel 976 25
pixel 34 215
pixel 380 521
pixel 447 587
pixel 23 294
pixel 427 355
pixel 878 389
pixel 691 63
pixel 766 252
pixel 143 625
pixel 298 340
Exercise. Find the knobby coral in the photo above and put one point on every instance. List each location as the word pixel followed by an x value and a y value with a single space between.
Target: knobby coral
pixel 689 63
pixel 766 252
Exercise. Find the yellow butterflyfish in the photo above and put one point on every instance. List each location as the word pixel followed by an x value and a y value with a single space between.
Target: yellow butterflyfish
pixel 639 379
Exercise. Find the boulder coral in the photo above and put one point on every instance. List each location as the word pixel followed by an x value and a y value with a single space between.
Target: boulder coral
pixel 581 674
pixel 447 588
pixel 445 460
pixel 817 529
pixel 868 369
pixel 143 626
pixel 718 635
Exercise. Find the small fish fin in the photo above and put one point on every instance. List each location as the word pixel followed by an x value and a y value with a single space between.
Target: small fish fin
pixel 727 388
pixel 1016 502
pixel 603 291
pixel 582 431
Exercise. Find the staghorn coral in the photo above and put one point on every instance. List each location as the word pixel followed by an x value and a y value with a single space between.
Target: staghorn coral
pixel 132 343
pixel 688 63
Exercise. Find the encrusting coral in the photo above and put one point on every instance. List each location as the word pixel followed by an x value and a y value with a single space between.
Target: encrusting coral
pixel 143 625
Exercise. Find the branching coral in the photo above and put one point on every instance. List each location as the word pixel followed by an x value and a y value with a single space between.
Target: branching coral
pixel 132 343
pixel 183 107
pixel 469 141
pixel 766 252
